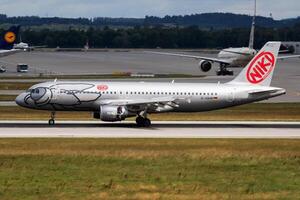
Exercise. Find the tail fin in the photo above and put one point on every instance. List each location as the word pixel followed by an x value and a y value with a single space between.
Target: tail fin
pixel 252 33
pixel 9 38
pixel 261 68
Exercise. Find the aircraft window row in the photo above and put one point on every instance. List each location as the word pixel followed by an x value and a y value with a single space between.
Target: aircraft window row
pixel 163 93
pixel 141 93
pixel 76 92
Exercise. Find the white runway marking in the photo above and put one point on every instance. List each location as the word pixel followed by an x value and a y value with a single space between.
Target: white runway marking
pixel 85 129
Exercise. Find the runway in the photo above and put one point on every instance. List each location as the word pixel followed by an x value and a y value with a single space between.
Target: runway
pixel 178 129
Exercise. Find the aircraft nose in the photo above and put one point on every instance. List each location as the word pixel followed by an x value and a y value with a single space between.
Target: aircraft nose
pixel 20 100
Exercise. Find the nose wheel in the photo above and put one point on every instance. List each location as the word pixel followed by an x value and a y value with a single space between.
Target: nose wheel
pixel 143 122
pixel 51 121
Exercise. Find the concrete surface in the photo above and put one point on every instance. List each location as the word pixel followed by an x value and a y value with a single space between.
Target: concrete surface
pixel 86 129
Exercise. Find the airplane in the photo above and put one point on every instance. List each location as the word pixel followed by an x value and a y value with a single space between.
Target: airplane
pixel 7 41
pixel 25 46
pixel 230 57
pixel 116 101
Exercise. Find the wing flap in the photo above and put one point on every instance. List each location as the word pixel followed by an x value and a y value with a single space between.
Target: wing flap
pixel 131 102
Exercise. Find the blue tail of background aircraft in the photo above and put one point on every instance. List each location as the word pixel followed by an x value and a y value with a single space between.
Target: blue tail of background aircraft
pixel 9 37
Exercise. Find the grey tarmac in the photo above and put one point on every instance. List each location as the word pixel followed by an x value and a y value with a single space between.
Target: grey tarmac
pixel 287 74
pixel 164 129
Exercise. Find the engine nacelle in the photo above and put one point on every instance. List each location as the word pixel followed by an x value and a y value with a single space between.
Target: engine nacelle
pixel 111 113
pixel 205 65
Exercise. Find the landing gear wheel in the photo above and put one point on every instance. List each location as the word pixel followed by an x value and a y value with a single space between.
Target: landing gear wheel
pixel 51 122
pixel 143 122
pixel 224 71
pixel 139 121
pixel 147 122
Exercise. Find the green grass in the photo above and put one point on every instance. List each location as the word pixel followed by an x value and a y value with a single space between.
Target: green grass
pixel 16 86
pixel 149 169
pixel 7 97
pixel 252 112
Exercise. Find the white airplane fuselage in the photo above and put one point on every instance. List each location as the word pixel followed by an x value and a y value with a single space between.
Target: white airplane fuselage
pixel 237 57
pixel 21 45
pixel 115 101
pixel 190 97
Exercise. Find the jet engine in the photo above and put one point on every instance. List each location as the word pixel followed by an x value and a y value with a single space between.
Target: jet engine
pixel 111 113
pixel 205 65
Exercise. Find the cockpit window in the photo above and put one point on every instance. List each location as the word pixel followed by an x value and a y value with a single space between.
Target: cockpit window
pixel 34 91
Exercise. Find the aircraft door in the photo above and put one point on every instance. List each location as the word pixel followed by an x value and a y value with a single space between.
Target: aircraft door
pixel 55 94
pixel 230 95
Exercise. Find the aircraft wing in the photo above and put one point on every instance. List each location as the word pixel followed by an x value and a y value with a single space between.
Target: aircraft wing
pixel 42 46
pixel 216 60
pixel 239 53
pixel 287 57
pixel 7 52
pixel 157 104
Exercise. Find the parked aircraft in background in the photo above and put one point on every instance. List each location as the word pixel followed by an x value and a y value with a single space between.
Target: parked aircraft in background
pixel 230 57
pixel 116 101
pixel 25 46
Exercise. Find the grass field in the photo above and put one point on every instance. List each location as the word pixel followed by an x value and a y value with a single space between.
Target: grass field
pixel 7 97
pixel 259 111
pixel 149 169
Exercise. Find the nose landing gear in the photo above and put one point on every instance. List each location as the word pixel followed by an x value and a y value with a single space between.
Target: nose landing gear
pixel 51 121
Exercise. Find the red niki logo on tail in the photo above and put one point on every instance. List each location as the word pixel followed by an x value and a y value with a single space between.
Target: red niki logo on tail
pixel 261 67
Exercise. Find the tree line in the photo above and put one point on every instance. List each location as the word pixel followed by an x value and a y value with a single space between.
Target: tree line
pixel 204 20
pixel 156 37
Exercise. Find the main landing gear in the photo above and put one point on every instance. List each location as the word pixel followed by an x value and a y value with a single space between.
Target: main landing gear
pixel 224 71
pixel 51 121
pixel 143 122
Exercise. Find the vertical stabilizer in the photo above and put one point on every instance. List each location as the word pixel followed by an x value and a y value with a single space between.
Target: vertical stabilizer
pixel 252 32
pixel 9 38
pixel 260 69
